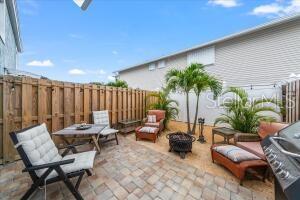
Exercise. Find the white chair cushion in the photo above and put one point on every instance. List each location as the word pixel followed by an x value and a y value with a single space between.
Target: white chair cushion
pixel 101 117
pixel 151 118
pixel 38 146
pixel 235 153
pixel 40 149
pixel 148 129
pixel 108 131
pixel 84 160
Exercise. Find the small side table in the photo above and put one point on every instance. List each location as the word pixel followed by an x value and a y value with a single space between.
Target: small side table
pixel 128 126
pixel 226 133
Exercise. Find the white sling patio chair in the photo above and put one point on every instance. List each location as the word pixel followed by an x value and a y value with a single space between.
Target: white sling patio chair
pixel 102 118
pixel 45 165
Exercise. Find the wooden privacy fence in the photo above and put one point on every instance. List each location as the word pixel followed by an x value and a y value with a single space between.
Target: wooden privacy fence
pixel 292 101
pixel 26 101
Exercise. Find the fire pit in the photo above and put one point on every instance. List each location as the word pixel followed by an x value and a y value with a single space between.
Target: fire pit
pixel 180 142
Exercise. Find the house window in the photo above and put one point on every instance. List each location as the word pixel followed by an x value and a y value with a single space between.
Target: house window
pixel 161 64
pixel 152 67
pixel 205 56
pixel 2 20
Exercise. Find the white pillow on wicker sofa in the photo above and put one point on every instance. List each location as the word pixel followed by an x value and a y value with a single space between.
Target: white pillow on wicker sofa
pixel 148 129
pixel 235 153
pixel 151 118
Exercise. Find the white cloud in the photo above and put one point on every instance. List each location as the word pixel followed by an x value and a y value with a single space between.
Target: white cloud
pixel 115 52
pixel 76 72
pixel 43 63
pixel 224 3
pixel 111 78
pixel 278 8
pixel 273 8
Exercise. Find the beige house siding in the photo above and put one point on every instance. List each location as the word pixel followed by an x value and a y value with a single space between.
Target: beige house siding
pixel 263 57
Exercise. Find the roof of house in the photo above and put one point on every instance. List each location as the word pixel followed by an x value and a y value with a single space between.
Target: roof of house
pixel 267 25
pixel 14 19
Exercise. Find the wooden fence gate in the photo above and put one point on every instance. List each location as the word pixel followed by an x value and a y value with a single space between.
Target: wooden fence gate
pixel 26 101
pixel 292 101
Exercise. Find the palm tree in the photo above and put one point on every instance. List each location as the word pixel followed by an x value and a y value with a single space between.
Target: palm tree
pixel 164 102
pixel 244 115
pixel 204 82
pixel 183 81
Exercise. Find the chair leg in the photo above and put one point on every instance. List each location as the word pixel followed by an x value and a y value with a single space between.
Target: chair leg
pixel 68 183
pixel 29 192
pixel 89 173
pixel 79 180
pixel 74 191
pixel 116 137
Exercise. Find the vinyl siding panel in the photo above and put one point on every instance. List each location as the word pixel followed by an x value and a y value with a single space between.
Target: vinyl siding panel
pixel 264 57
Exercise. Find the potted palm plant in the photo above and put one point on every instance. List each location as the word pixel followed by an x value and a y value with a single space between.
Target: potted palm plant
pixel 245 115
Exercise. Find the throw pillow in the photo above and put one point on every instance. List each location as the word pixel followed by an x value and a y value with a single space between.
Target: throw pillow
pixel 148 129
pixel 151 118
pixel 235 153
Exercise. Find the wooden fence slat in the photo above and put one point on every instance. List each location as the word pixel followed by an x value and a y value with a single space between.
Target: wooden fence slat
pixel 77 103
pixel 86 105
pixel 55 109
pixel 114 116
pixel 41 101
pixel 8 119
pixel 124 106
pixel 120 99
pixel 26 102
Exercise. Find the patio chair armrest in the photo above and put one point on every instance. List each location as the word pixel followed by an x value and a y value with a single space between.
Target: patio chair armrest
pixel 48 165
pixel 144 120
pixel 161 124
pixel 246 137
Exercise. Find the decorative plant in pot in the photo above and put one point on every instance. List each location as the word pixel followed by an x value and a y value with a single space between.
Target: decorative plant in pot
pixel 164 102
pixel 243 114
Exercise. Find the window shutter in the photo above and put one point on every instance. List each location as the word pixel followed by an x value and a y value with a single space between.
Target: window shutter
pixel 151 66
pixel 161 64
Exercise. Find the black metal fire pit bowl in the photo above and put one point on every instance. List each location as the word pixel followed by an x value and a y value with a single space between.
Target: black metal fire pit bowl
pixel 180 142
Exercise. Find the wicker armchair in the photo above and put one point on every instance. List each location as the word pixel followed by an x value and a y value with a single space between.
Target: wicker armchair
pixel 160 117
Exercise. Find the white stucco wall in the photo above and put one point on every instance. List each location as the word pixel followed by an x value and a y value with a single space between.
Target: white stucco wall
pixel 210 109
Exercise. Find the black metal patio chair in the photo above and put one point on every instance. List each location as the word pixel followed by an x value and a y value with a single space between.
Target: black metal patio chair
pixel 44 163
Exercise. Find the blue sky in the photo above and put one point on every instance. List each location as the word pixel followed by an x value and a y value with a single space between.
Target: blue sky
pixel 62 42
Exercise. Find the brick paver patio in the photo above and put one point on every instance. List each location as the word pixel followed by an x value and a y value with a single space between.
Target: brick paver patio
pixel 132 171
